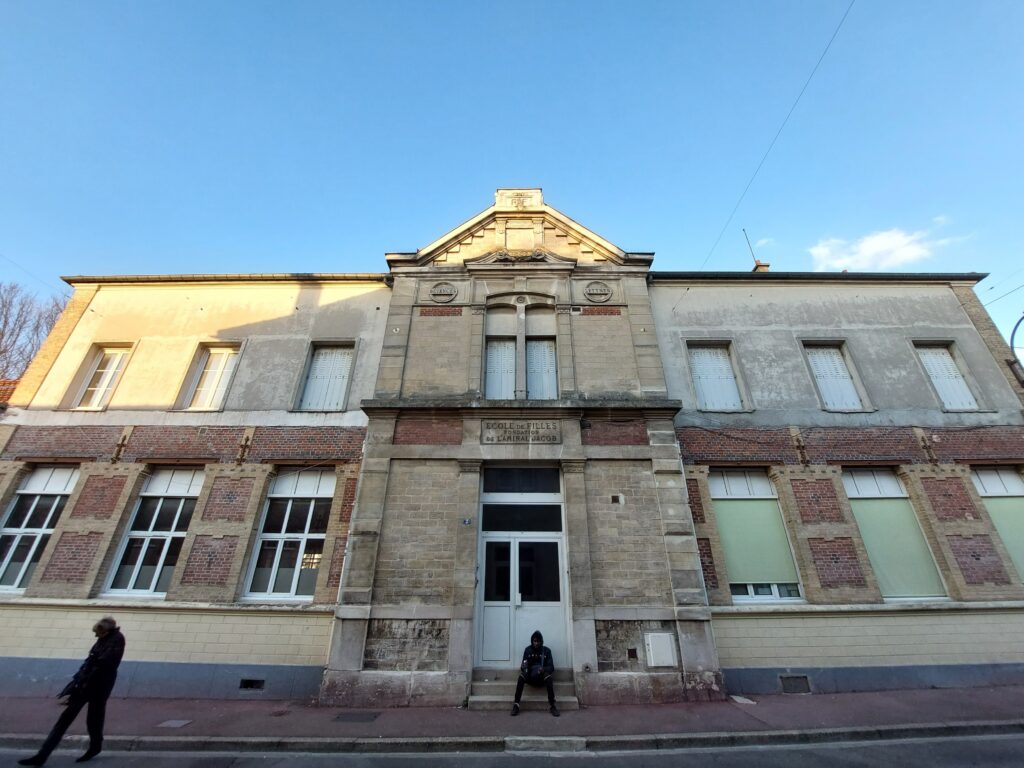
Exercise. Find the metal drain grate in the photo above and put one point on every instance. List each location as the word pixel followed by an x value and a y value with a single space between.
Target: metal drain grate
pixel 795 683
pixel 356 717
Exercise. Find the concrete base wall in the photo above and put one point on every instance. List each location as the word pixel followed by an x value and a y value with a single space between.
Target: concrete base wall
pixel 394 689
pixel 850 679
pixel 165 680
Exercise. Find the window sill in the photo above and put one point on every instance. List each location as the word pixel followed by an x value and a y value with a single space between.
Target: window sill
pixel 254 599
pixel 725 410
pixel 850 410
pixel 316 410
pixel 140 596
pixel 768 601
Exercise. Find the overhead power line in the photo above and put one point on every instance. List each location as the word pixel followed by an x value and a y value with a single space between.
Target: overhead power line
pixel 997 298
pixel 777 134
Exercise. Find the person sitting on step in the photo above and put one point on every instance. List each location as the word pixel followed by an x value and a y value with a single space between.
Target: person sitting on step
pixel 537 670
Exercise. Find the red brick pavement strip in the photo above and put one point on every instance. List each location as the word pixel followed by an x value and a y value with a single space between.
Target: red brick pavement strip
pixel 300 726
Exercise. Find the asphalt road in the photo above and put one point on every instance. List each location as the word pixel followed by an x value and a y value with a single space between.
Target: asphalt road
pixel 910 753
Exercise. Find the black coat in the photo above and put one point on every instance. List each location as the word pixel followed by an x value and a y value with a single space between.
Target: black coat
pixel 537 664
pixel 98 673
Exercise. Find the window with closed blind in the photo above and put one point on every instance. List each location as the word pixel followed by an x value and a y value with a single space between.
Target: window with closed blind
pixel 520 360
pixel 758 556
pixel 896 546
pixel 833 378
pixel 946 378
pixel 327 379
pixel 714 378
pixel 1002 491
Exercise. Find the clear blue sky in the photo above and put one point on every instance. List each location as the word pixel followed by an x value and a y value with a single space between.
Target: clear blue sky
pixel 154 137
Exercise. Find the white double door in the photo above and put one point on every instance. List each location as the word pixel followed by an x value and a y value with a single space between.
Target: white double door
pixel 522 589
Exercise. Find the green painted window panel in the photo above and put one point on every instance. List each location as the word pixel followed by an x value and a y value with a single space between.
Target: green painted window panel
pixel 755 543
pixel 1007 513
pixel 897 549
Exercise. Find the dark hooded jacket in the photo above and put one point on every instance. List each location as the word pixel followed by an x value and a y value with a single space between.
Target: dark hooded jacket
pixel 98 673
pixel 537 662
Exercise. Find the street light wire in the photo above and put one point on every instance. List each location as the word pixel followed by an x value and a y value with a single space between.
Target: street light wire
pixel 997 298
pixel 764 157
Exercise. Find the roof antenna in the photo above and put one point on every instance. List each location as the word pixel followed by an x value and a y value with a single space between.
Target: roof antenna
pixel 759 266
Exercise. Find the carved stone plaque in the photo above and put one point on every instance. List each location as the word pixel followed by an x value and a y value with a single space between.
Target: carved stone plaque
pixel 442 293
pixel 531 431
pixel 597 291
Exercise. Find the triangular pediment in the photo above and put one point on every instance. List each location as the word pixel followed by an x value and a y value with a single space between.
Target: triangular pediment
pixel 519 229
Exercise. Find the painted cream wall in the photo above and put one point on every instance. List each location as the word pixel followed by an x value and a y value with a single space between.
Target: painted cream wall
pixel 871 638
pixel 275 323
pixel 167 634
pixel 766 323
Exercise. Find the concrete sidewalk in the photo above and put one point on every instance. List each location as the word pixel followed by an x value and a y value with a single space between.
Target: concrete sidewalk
pixel 268 726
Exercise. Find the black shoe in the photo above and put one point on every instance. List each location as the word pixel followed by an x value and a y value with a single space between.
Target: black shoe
pixel 515 712
pixel 554 711
pixel 89 755
pixel 34 760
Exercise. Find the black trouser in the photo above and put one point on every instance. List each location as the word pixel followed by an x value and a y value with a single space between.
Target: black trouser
pixel 97 702
pixel 548 682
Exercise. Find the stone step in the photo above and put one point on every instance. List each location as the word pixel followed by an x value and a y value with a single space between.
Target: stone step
pixel 485 674
pixel 532 702
pixel 507 688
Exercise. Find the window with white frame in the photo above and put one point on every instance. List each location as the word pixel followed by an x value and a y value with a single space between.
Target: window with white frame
pixel 292 532
pixel 1002 491
pixel 211 376
pixel 30 521
pixel 714 378
pixel 946 378
pixel 520 360
pixel 153 542
pixel 758 556
pixel 104 372
pixel 896 546
pixel 327 379
pixel 833 378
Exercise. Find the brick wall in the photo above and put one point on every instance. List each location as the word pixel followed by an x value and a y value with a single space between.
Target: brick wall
pixel 725 446
pixel 979 444
pixel 817 501
pixel 633 432
pixel 897 445
pixel 707 563
pixel 72 557
pixel 440 311
pixel 199 443
pixel 63 442
pixel 836 563
pixel 695 501
pixel 99 497
pixel 949 498
pixel 978 560
pixel 211 561
pixel 337 444
pixel 229 499
pixel 605 311
pixel 437 431
pixel 348 501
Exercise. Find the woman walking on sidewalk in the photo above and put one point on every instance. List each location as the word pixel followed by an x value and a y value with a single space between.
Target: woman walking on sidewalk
pixel 91 685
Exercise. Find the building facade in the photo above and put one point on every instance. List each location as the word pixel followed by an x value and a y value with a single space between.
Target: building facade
pixel 373 488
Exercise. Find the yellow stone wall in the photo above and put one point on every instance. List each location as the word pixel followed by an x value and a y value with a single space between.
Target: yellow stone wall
pixel 177 635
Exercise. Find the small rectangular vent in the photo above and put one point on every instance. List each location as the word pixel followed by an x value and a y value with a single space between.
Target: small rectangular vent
pixel 249 684
pixel 795 683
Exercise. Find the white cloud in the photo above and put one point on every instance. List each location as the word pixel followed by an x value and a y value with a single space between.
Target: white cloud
pixel 941 220
pixel 878 251
pixel 764 242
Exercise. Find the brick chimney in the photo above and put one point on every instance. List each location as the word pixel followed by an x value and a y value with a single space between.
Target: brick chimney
pixel 760 266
